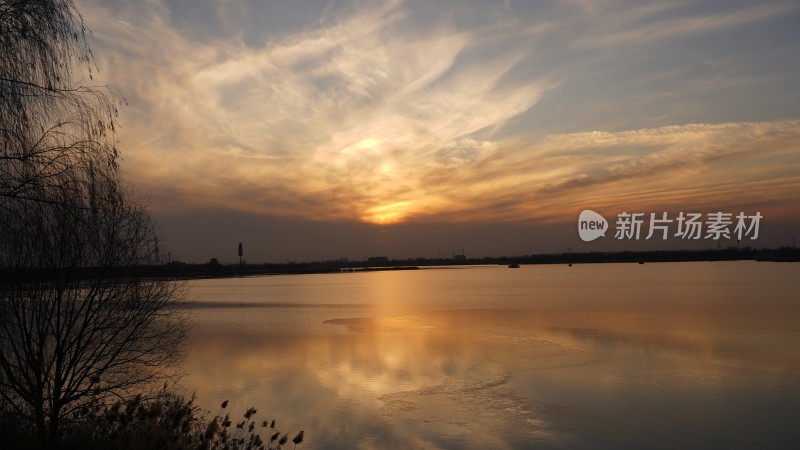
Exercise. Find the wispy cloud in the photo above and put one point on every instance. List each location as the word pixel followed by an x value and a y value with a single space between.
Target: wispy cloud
pixel 688 166
pixel 368 116
pixel 645 24
pixel 341 115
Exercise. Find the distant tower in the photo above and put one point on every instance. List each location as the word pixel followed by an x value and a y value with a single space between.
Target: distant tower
pixel 241 252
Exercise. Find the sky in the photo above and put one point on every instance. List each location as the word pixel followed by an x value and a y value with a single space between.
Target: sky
pixel 314 130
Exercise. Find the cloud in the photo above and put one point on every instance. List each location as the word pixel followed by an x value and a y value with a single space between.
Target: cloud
pixel 328 122
pixel 648 23
pixel 693 165
pixel 368 115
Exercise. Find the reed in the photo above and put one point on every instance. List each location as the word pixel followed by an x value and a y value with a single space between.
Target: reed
pixel 163 422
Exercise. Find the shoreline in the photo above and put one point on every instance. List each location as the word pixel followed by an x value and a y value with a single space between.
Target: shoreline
pixel 180 270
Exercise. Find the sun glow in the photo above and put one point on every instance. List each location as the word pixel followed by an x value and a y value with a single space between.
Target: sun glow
pixel 387 214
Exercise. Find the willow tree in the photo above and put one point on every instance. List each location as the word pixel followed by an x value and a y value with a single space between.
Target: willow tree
pixel 48 124
pixel 79 324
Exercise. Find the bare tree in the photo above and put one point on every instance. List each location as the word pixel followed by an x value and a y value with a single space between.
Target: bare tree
pixel 79 323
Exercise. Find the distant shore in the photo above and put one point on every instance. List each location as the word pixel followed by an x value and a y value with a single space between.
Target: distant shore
pixel 177 269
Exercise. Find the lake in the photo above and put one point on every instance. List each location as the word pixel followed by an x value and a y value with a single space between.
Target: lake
pixel 669 355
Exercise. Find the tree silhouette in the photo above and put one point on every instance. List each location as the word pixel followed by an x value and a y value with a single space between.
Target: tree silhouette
pixel 78 323
pixel 49 126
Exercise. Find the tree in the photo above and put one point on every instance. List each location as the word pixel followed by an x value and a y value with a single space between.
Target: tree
pixel 79 324
pixel 48 125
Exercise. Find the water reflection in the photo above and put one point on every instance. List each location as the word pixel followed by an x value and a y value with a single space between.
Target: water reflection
pixel 519 370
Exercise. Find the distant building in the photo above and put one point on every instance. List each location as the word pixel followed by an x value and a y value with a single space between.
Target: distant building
pixel 378 259
pixel 460 258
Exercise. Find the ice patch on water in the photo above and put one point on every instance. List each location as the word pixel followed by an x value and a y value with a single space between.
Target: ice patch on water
pixel 472 407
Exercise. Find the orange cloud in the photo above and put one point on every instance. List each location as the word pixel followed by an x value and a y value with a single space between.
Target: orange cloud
pixel 356 119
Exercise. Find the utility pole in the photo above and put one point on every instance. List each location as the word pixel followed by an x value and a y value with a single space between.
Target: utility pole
pixel 241 252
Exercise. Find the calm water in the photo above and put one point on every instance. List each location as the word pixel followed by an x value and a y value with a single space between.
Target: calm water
pixel 681 355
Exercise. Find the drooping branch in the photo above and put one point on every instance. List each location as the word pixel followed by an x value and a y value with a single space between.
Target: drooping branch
pixel 78 324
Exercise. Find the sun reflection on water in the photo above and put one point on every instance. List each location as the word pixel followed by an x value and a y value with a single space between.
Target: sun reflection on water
pixel 565 372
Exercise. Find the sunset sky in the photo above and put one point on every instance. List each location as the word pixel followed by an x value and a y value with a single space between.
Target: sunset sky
pixel 311 129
